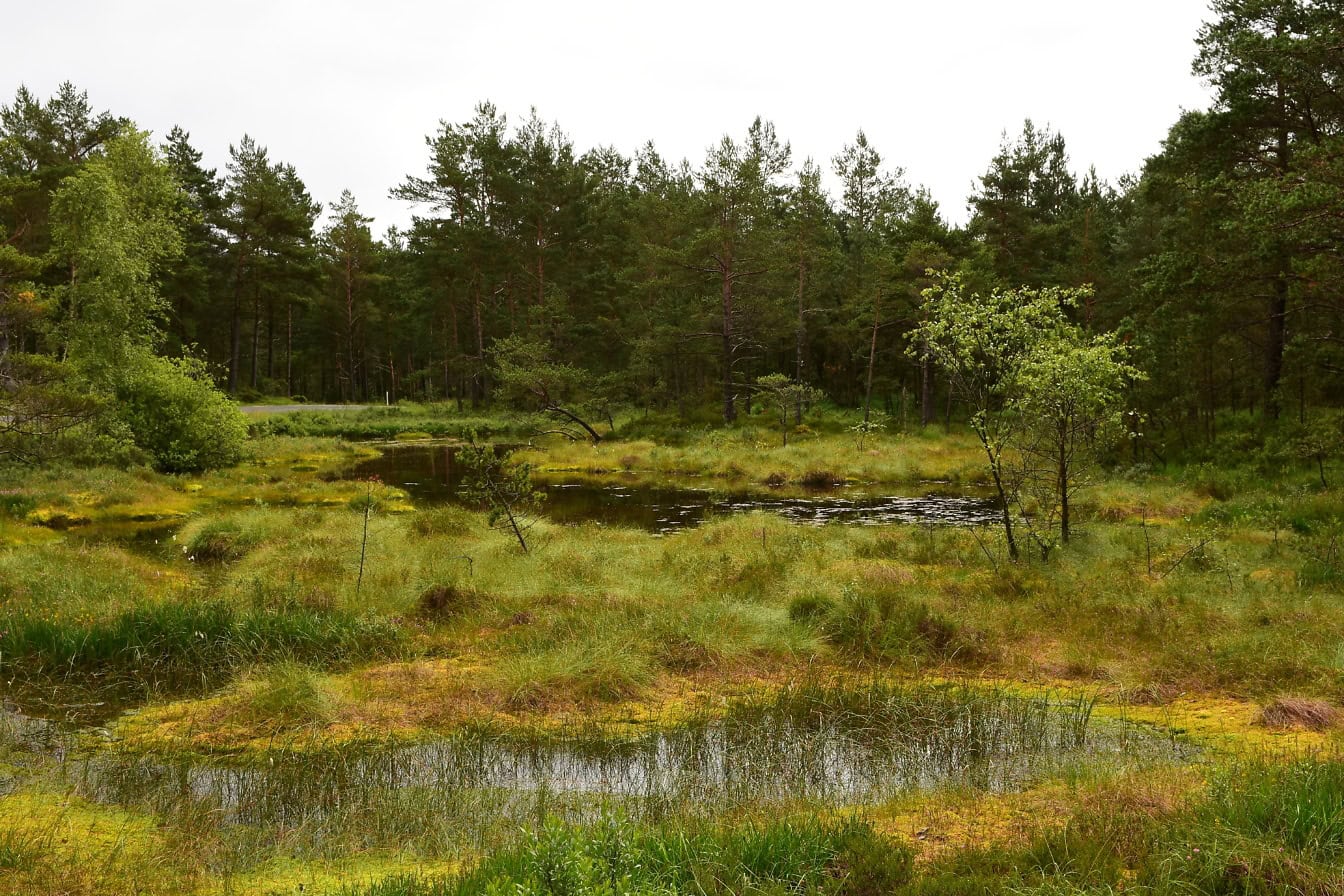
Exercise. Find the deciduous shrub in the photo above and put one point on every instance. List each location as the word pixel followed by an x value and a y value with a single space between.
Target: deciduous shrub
pixel 176 414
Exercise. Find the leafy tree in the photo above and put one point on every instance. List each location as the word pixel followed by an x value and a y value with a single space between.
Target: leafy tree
pixel 114 226
pixel 1041 391
pixel 1068 389
pixel 980 342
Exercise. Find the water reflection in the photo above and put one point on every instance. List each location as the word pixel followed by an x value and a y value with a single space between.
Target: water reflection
pixel 430 475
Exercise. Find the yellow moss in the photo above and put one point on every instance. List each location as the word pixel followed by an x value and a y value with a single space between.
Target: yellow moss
pixel 418 699
pixel 78 847
pixel 16 533
pixel 1282 578
pixel 57 517
pixel 286 876
pixel 948 821
pixel 1224 723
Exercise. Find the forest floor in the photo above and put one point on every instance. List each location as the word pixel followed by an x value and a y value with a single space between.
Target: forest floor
pixel 1152 709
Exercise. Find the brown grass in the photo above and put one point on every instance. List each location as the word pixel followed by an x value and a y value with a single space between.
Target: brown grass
pixel 1298 712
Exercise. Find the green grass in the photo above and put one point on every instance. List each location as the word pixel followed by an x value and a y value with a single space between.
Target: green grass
pixel 613 857
pixel 402 421
pixel 290 694
pixel 1222 581
pixel 170 647
pixel 1266 828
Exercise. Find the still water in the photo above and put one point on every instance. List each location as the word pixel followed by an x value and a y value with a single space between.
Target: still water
pixel 834 747
pixel 430 476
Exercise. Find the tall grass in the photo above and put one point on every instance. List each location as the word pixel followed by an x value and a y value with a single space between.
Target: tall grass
pixel 614 856
pixel 181 646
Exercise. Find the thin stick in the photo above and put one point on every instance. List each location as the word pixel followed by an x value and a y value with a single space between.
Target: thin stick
pixel 364 541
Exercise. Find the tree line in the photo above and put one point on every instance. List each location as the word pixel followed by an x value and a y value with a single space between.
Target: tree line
pixel 639 280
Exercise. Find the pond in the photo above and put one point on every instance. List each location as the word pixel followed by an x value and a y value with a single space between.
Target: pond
pixel 430 476
pixel 821 745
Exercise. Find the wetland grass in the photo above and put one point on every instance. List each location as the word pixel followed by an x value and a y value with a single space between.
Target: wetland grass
pixel 826 747
pixel 171 647
pixel 1194 583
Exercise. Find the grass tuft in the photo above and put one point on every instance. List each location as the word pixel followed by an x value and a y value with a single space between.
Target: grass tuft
pixel 1298 712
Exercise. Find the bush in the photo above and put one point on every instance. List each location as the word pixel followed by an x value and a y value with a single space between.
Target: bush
pixel 176 414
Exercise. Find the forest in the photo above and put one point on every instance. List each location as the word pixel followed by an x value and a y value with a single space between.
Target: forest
pixel 665 284
pixel 629 525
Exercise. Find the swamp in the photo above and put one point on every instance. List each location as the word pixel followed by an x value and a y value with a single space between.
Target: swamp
pixel 324 668
pixel 579 515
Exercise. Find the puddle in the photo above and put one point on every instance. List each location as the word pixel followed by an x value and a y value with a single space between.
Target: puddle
pixel 430 476
pixel 825 747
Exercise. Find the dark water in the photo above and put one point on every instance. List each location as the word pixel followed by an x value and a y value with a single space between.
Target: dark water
pixel 430 476
pixel 836 748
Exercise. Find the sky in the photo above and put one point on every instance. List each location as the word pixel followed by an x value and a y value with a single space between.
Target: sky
pixel 347 91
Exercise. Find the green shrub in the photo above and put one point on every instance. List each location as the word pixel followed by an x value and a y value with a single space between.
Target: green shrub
pixel 176 414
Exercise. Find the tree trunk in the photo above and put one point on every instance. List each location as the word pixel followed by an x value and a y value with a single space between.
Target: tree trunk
pixel 996 471
pixel 800 337
pixel 289 348
pixel 236 321
pixel 541 267
pixel 478 382
pixel 235 342
pixel 726 277
pixel 256 338
pixel 270 340
pixel 1278 299
pixel 925 389
pixel 1063 487
pixel 872 358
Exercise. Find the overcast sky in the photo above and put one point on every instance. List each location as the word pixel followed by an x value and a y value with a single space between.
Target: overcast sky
pixel 346 90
